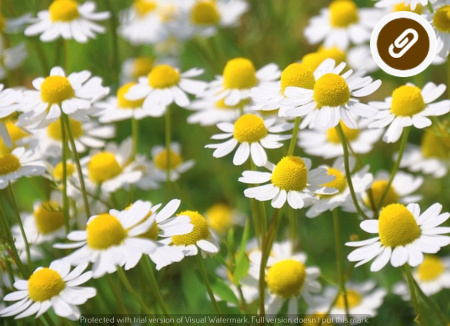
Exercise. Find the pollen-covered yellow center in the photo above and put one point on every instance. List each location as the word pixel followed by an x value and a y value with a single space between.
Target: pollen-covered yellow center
pixel 123 103
pixel 290 174
pixel 219 217
pixel 56 89
pixel 205 12
pixel 331 90
pixel 350 134
pixel 105 231
pixel 54 129
pixel 9 163
pixel 162 159
pixel 63 10
pixel 249 128
pixel 397 226
pixel 45 284
pixel 314 59
pixel 441 19
pixel 144 7
pixel 48 217
pixel 14 132
pixel 239 73
pixel 286 278
pixel 402 7
pixel 163 76
pixel 221 104
pixel 353 299
pixel 58 170
pixel 339 182
pixel 199 232
pixel 297 75
pixel 407 100
pixel 433 145
pixel 431 268
pixel 343 13
pixel 141 66
pixel 378 188
pixel 103 166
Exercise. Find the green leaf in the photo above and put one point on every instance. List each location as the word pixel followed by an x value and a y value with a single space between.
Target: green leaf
pixel 223 291
pixel 241 269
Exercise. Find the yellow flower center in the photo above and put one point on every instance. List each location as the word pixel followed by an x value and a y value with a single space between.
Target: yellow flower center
pixel 286 278
pixel 142 66
pixel 54 129
pixel 56 89
pixel 378 188
pixel 239 73
pixel 9 163
pixel 431 268
pixel 2 23
pixel 433 145
pixel 205 12
pixel 219 217
pixel 297 75
pixel 123 103
pixel 167 13
pixel 331 90
pixel 407 100
pixel 63 11
pixel 402 7
pixel 163 76
pixel 313 60
pixel 249 128
pixel 162 159
pixel 397 226
pixel 353 299
pixel 350 134
pixel 48 217
pixel 58 170
pixel 14 132
pixel 105 231
pixel 343 13
pixel 143 7
pixel 290 174
pixel 103 166
pixel 200 231
pixel 44 284
pixel 339 182
pixel 441 19
pixel 221 104
pixel 152 232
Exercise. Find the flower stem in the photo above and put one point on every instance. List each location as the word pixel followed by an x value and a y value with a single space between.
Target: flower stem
pixel 117 295
pixel 294 136
pixel 448 73
pixel 66 56
pixel 412 291
pixel 123 278
pixel 430 303
pixel 168 136
pixel 115 45
pixel 135 135
pixel 64 176
pixel 207 283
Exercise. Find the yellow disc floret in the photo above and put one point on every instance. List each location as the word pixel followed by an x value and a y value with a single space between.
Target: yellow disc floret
pixel 239 73
pixel 297 75
pixel 141 66
pixel 441 19
pixel 63 11
pixel 431 268
pixel 249 128
pixel 200 231
pixel 343 13
pixel 378 188
pixel 205 12
pixel 103 166
pixel 350 134
pixel 286 278
pixel 222 106
pixel 58 170
pixel 402 7
pixel 48 217
pixel 56 89
pixel 290 174
pixel 162 159
pixel 105 231
pixel 163 76
pixel 314 59
pixel 353 299
pixel 219 217
pixel 144 7
pixel 331 90
pixel 123 103
pixel 407 100
pixel 9 163
pixel 339 182
pixel 54 129
pixel 44 284
pixel 433 145
pixel 397 226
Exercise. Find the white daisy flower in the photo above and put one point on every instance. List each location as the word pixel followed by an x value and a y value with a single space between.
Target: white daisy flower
pixel 239 77
pixel 69 20
pixel 413 4
pixel 112 239
pixel 133 68
pixel 361 181
pixel 332 98
pixel 327 143
pixel 19 163
pixel 222 217
pixel 440 21
pixel 209 112
pixel 8 100
pixel 408 106
pixel 11 57
pixel 342 24
pixel 252 133
pixel 13 25
pixel 72 95
pixel 404 235
pixel 163 86
pixel 53 287
pixel 177 164
pixel 148 180
pixel 291 179
pixel 18 136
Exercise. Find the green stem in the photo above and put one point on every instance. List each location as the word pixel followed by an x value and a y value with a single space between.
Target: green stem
pixel 48 319
pixel 207 283
pixel 123 278
pixel 135 135
pixel 64 178
pixel 115 44
pixel 294 136
pixel 66 56
pixel 412 291
pixel 430 7
pixel 41 56
pixel 448 73
pixel 292 226
pixel 258 214
pixel 168 136
pixel 430 303
pixel 116 293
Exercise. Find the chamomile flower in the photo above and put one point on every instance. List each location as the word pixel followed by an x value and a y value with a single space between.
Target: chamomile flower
pixel 163 86
pixel 408 106
pixel 209 112
pixel 404 5
pixel 440 21
pixel 11 58
pixel 55 287
pixel 404 235
pixel 57 93
pixel 252 133
pixel 69 20
pixel 222 217
pixel 133 68
pixel 18 136
pixel 332 98
pixel 148 180
pixel 112 239
pixel 19 163
pixel 174 159
pixel 342 24
pixel 8 100
pixel 291 180
pixel 239 77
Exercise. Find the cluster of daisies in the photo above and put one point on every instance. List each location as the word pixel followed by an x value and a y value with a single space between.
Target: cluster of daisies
pixel 62 128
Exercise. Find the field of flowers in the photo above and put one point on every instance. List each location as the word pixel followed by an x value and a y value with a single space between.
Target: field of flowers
pixel 188 158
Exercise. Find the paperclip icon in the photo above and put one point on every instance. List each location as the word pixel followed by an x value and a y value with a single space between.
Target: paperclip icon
pixel 403 42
